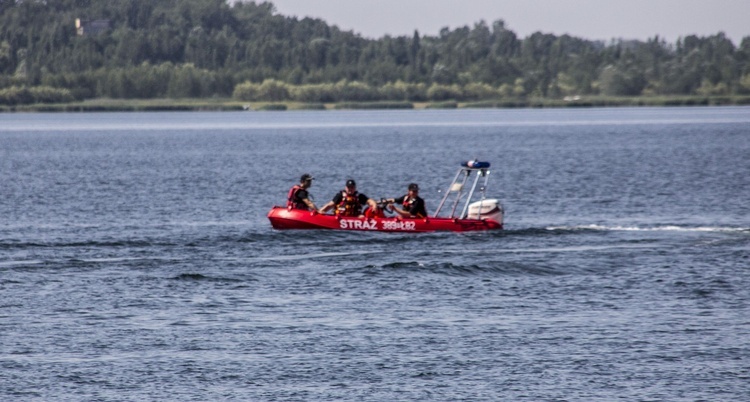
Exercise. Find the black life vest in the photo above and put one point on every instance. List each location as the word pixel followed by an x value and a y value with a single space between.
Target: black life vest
pixel 407 204
pixel 349 205
pixel 291 198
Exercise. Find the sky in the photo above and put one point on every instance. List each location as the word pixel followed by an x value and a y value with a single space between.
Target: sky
pixel 587 19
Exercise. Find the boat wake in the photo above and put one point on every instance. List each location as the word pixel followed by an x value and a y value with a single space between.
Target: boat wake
pixel 665 228
pixel 294 257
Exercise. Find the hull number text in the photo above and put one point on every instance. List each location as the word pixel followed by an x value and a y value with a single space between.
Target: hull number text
pixel 371 224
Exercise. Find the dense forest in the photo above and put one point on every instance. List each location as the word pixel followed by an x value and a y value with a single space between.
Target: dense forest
pixel 63 50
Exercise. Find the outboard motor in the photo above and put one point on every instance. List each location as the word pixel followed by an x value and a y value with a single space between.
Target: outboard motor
pixel 486 209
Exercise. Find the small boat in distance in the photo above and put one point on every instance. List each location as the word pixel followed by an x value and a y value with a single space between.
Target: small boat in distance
pixel 483 214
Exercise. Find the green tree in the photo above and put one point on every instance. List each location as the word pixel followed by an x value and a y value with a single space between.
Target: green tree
pixel 206 47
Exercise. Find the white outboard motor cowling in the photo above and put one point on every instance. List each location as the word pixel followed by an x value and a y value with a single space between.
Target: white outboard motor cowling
pixel 486 209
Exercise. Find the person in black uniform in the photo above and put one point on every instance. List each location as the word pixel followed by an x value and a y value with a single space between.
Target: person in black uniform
pixel 412 205
pixel 349 202
pixel 298 197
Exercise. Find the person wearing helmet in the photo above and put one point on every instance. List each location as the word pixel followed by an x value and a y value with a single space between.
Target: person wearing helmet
pixel 412 205
pixel 298 197
pixel 349 202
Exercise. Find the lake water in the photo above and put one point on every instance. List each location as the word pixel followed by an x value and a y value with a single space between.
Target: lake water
pixel 136 261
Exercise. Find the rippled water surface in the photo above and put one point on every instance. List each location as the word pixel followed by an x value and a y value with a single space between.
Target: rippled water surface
pixel 136 261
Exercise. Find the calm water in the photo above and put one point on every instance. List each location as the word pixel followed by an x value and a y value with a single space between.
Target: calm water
pixel 136 261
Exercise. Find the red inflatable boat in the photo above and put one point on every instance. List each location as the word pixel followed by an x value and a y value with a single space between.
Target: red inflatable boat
pixel 485 214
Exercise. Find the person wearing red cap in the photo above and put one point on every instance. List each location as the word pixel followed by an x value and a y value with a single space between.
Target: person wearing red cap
pixel 412 204
pixel 349 202
pixel 298 197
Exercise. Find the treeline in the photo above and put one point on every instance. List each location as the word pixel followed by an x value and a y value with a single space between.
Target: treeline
pixel 40 94
pixel 213 48
pixel 346 91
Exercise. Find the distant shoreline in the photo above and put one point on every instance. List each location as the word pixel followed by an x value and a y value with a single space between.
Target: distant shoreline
pixel 176 105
